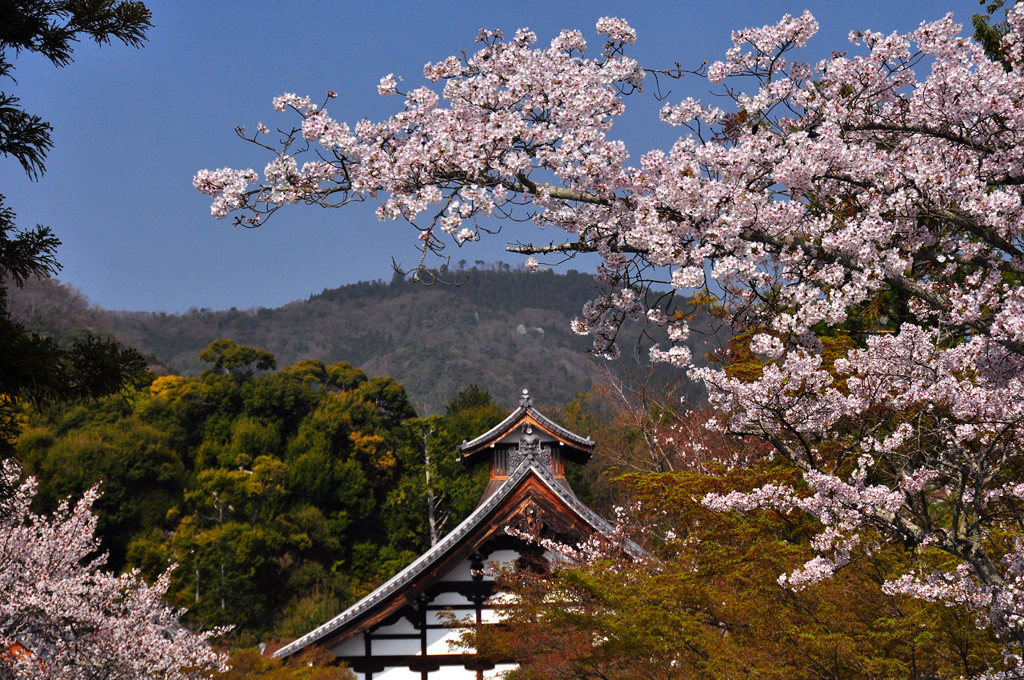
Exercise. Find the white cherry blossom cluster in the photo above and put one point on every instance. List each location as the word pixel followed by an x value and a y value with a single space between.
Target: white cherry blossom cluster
pixel 63 616
pixel 227 186
pixel 504 114
pixel 617 30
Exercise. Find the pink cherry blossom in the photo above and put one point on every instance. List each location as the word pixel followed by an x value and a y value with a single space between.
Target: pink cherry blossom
pixel 874 197
pixel 388 85
pixel 72 620
pixel 617 30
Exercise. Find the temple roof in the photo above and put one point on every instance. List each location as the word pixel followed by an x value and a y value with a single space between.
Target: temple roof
pixel 355 616
pixel 526 412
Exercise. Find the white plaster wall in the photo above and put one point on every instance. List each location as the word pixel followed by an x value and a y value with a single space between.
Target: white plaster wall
pixel 452 673
pixel 502 557
pixel 488 615
pixel 396 647
pixel 463 571
pixel 395 673
pixel 354 646
pixel 443 673
pixel 449 597
pixel 438 641
pixel 401 626
pixel 444 617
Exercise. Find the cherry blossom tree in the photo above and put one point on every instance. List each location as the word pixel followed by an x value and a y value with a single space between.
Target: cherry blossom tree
pixel 860 218
pixel 62 616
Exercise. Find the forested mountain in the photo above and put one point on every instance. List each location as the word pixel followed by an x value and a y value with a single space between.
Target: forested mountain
pixel 500 328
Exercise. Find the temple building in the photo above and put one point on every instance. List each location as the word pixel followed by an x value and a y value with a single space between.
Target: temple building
pixel 399 631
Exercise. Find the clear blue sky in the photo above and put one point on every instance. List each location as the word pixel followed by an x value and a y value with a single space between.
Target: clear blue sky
pixel 133 126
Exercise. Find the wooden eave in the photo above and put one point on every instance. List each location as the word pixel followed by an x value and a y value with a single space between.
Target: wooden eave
pixel 529 483
pixel 579 448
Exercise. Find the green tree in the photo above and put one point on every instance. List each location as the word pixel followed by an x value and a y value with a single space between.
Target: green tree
pixel 239 361
pixel 471 397
pixel 278 522
pixel 343 376
pixel 472 412
pixel 282 495
pixel 435 491
pixel 988 33
pixel 388 397
pixel 141 476
pixel 33 368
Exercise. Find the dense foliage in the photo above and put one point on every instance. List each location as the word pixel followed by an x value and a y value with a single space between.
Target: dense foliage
pixel 282 495
pixel 706 600
pixel 706 603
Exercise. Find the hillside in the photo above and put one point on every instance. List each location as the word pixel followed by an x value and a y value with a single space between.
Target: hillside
pixel 501 329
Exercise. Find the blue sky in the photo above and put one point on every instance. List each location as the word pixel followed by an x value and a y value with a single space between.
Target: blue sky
pixel 133 126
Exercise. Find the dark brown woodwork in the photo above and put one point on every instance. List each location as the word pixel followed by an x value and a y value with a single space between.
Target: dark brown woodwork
pixel 533 508
pixel 527 498
pixel 418 663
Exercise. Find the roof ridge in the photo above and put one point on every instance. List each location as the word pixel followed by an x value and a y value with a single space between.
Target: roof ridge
pixel 526 407
pixel 438 550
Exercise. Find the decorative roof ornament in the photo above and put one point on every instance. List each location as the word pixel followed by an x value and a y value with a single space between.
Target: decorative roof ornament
pixel 529 448
pixel 529 442
pixel 576 447
pixel 526 401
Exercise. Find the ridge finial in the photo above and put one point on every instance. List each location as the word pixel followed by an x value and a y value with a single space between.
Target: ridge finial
pixel 526 401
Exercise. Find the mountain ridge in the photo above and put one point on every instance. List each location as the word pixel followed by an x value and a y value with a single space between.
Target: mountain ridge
pixel 501 328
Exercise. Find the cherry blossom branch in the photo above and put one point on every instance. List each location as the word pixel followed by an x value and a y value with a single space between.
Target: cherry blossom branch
pixel 859 222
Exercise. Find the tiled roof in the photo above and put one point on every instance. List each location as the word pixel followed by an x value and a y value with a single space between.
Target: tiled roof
pixel 526 407
pixel 423 563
